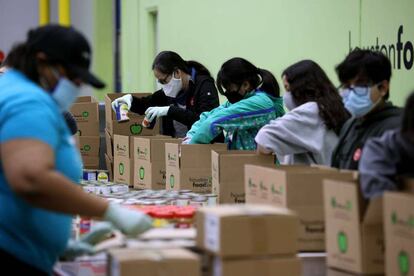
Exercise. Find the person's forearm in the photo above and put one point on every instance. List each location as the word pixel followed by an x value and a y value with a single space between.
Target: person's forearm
pixel 55 192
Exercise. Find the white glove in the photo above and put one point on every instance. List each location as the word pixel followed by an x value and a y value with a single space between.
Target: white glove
pixel 156 111
pixel 124 99
pixel 128 221
pixel 98 233
pixel 186 140
pixel 77 248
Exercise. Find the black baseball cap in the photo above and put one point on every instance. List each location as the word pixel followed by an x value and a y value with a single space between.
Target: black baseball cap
pixel 67 46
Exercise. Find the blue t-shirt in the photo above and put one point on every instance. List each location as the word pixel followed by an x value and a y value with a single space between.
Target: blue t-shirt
pixel 33 235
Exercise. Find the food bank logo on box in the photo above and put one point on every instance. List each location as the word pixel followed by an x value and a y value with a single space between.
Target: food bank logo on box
pixel 120 148
pixel 141 152
pixel 276 191
pixel 404 263
pixel 400 53
pixel 251 184
pixel 347 206
pixel 397 220
pixel 121 168
pixel 172 157
pixel 342 242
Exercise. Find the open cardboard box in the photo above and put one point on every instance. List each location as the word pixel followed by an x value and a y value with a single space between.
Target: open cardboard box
pixel 149 161
pixel 298 188
pixel 228 182
pixel 354 229
pixel 189 166
pixel 133 127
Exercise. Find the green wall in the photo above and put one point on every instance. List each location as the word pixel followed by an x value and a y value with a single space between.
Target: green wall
pixel 271 33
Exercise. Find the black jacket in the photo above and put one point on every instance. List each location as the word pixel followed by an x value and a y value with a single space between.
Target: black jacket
pixel 356 131
pixel 384 159
pixel 200 97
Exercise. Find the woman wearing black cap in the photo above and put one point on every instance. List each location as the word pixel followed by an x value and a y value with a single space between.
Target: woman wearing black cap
pixel 39 161
pixel 187 91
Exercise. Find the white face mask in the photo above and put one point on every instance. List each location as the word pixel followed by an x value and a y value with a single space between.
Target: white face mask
pixel 172 88
pixel 288 100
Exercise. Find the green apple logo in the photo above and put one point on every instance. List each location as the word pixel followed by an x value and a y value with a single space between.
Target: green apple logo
pixel 135 129
pixel 85 114
pixel 86 148
pixel 394 218
pixel 250 182
pixel 404 263
pixel 348 205
pixel 333 202
pixel 172 181
pixel 80 132
pixel 342 242
pixel 141 173
pixel 121 168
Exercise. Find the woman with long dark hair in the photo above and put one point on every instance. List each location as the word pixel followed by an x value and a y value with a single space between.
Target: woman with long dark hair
pixel 253 100
pixel 187 91
pixel 308 133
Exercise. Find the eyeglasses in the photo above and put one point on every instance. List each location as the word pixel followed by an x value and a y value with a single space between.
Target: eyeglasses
pixel 360 90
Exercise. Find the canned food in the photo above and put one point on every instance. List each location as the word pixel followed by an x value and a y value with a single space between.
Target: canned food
pixel 211 199
pixel 185 191
pixel 183 200
pixel 89 175
pixel 84 225
pixel 119 188
pixel 102 176
pixel 122 112
pixel 103 190
pixel 199 201
pixel 89 189
pixel 146 122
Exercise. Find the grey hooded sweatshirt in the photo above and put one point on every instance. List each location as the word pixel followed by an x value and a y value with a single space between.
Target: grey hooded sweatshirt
pixel 299 137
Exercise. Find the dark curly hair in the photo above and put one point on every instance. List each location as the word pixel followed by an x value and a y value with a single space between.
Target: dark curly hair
pixel 308 82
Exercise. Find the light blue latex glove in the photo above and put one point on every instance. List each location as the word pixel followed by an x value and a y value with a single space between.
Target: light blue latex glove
pixel 130 222
pixel 77 248
pixel 98 233
pixel 127 99
pixel 156 111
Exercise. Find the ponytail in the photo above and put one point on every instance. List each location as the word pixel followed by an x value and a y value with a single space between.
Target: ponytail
pixel 238 70
pixel 269 83
pixel 200 68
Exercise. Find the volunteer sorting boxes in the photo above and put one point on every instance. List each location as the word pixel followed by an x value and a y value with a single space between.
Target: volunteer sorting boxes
pixel 389 157
pixel 308 133
pixel 40 163
pixel 253 100
pixel 365 88
pixel 187 91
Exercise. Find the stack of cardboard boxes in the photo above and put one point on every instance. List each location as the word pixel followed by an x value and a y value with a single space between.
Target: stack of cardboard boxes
pixel 299 188
pixel 86 113
pixel 133 127
pixel 247 240
pixel 189 166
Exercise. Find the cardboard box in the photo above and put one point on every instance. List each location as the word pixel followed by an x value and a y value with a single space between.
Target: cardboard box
pixel 89 146
pixel 123 146
pixel 247 230
pixel 354 230
pixel 110 167
pixel 227 173
pixel 90 162
pixel 270 266
pixel 298 188
pixel 132 127
pixel 149 161
pixel 399 233
pixel 86 113
pixel 109 144
pixel 123 170
pixel 189 166
pixel 171 262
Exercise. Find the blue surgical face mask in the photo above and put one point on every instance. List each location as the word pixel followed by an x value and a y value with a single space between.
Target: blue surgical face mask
pixel 357 100
pixel 288 100
pixel 65 91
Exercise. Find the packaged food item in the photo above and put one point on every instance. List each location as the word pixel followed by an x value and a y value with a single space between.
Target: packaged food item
pixel 211 199
pixel 162 218
pixel 146 122
pixel 102 176
pixel 184 218
pixel 183 200
pixel 89 174
pixel 121 112
pixel 199 201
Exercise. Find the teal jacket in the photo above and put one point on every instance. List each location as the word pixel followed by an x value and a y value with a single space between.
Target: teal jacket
pixel 239 122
